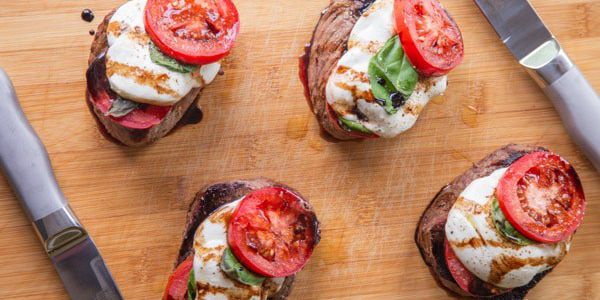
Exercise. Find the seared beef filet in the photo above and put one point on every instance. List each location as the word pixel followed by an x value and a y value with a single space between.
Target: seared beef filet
pixel 430 233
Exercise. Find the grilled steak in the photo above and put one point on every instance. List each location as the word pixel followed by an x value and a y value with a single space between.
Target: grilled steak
pixel 430 233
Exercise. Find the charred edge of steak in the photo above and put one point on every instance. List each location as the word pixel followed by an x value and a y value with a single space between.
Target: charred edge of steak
pixel 340 16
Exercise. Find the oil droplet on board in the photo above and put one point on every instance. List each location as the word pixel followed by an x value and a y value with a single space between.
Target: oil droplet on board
pixel 316 144
pixel 297 127
pixel 469 116
pixel 438 100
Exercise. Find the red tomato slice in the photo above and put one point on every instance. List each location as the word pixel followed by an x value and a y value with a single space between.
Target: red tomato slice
pixel 541 196
pixel 431 39
pixel 461 275
pixel 177 284
pixel 102 97
pixel 273 232
pixel 193 31
pixel 140 118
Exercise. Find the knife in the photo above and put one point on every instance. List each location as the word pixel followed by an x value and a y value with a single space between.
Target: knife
pixel 533 45
pixel 25 162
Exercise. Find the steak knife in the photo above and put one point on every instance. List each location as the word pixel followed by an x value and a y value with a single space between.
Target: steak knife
pixel 533 45
pixel 25 162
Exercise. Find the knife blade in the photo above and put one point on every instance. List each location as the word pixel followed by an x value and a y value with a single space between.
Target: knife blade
pixel 84 273
pixel 25 162
pixel 517 24
pixel 527 38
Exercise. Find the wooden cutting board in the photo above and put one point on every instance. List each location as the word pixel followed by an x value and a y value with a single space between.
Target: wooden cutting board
pixel 368 195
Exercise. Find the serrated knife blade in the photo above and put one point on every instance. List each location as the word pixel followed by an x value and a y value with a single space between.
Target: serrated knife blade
pixel 533 45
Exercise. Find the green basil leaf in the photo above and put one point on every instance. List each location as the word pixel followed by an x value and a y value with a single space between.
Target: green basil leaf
pixel 353 125
pixel 506 228
pixel 170 63
pixel 393 79
pixel 235 270
pixel 121 107
pixel 191 285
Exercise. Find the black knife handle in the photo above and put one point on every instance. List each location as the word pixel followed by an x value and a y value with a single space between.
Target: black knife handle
pixel 24 159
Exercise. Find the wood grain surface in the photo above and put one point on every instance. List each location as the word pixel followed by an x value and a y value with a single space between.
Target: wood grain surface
pixel 368 195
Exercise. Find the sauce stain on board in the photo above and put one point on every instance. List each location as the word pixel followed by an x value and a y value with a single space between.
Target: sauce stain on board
pixel 439 100
pixel 316 144
pixel 469 116
pixel 297 127
pixel 474 104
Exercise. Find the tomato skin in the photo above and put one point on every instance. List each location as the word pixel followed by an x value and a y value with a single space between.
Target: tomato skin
pixel 273 232
pixel 563 201
pixel 461 275
pixel 422 50
pixel 144 118
pixel 177 284
pixel 199 52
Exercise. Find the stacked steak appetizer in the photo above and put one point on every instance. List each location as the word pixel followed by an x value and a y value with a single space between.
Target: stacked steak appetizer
pixel 373 65
pixel 244 240
pixel 149 61
pixel 499 228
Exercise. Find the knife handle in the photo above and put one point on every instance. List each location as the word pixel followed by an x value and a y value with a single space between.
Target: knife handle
pixel 24 159
pixel 579 107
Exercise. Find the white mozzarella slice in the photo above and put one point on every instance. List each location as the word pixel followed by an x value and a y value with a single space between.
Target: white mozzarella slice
pixel 348 85
pixel 131 72
pixel 126 16
pixel 483 250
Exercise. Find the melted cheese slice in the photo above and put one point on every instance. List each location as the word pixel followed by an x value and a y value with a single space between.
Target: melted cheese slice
pixel 484 251
pixel 348 87
pixel 210 242
pixel 130 71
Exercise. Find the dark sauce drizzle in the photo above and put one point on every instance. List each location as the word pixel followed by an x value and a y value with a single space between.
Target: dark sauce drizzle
pixel 365 5
pixel 87 15
pixel 193 115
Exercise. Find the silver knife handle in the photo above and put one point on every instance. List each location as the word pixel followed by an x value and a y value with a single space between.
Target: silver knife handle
pixel 25 161
pixel 579 107
pixel 24 158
